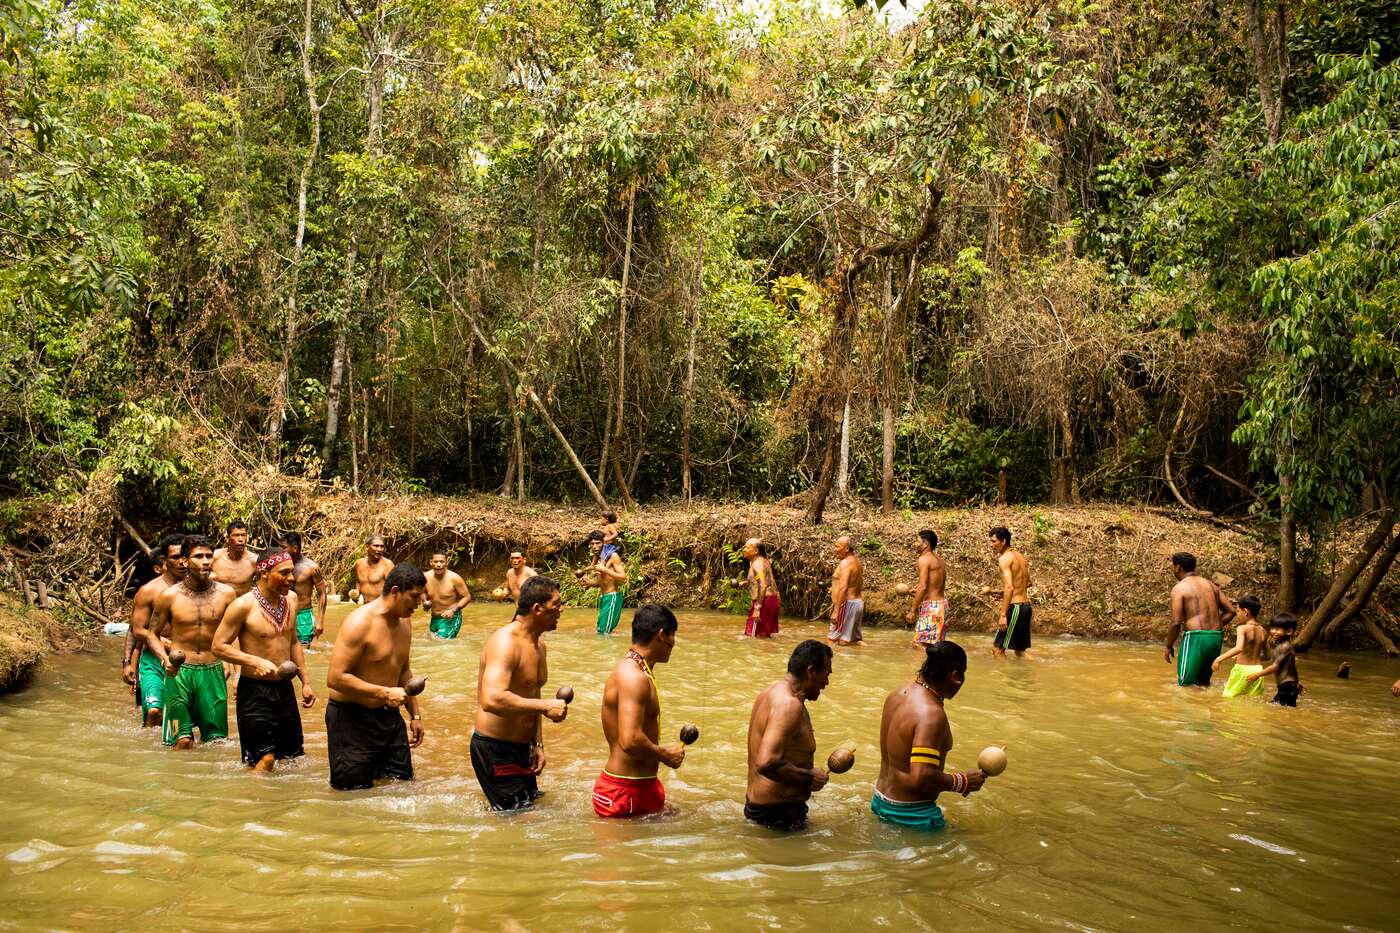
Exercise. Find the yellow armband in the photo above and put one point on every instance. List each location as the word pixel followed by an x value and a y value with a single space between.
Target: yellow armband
pixel 919 755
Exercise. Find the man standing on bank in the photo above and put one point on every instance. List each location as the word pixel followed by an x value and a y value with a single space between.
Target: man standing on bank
pixel 915 739
pixel 782 745
pixel 309 579
pixel 847 606
pixel 930 610
pixel 233 564
pixel 369 669
pixel 372 569
pixel 507 744
pixel 628 785
pixel 256 635
pixel 764 604
pixel 1202 610
pixel 1014 626
pixel 447 595
pixel 149 676
pixel 196 690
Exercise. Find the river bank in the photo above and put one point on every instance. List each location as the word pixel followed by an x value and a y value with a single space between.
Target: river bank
pixel 1097 570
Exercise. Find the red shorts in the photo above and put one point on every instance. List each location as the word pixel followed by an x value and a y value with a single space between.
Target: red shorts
pixel 615 796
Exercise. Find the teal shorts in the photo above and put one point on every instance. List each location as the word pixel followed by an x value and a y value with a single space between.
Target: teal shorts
pixel 150 683
pixel 306 625
pixel 445 626
pixel 921 814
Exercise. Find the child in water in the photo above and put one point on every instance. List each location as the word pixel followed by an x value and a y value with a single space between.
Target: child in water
pixel 1285 665
pixel 1251 640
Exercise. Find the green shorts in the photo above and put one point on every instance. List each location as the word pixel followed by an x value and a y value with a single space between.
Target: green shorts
pixel 150 683
pixel 609 612
pixel 1199 649
pixel 919 814
pixel 306 625
pixel 446 626
pixel 196 698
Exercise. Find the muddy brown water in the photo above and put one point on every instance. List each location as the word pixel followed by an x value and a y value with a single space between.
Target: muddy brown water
pixel 1129 804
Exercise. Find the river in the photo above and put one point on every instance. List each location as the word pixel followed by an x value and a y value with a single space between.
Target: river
pixel 1129 804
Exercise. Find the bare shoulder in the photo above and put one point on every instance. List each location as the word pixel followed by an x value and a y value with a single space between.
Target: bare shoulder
pixel 226 593
pixel 356 624
pixel 220 553
pixel 501 644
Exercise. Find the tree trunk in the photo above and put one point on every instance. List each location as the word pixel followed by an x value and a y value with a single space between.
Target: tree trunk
pixel 514 457
pixel 1287 548
pixel 1368 586
pixel 1270 63
pixel 354 444
pixel 887 461
pixel 688 403
pixel 333 392
pixel 1343 581
pixel 618 420
pixel 843 472
pixel 277 413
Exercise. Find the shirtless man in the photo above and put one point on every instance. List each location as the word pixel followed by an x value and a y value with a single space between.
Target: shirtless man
pixel 255 635
pixel 446 594
pixel 196 693
pixel 628 785
pixel 782 744
pixel 1251 642
pixel 311 614
pixel 847 606
pixel 1201 609
pixel 915 739
pixel 369 668
pixel 372 569
pixel 608 574
pixel 518 573
pixel 233 564
pixel 1014 623
pixel 764 604
pixel 141 668
pixel 507 744
pixel 930 610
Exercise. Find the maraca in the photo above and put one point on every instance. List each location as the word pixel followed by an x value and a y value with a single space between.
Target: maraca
pixel 992 760
pixel 902 589
pixel 841 760
pixel 288 669
pixel 689 733
pixel 415 686
pixel 565 693
pixel 177 657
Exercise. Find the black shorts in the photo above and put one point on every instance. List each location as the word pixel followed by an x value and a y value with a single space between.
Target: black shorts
pixel 364 744
pixel 269 722
pixel 1017 634
pixel 789 815
pixel 503 771
pixel 1287 694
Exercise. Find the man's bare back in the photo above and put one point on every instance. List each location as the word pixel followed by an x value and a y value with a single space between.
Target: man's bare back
pixel 629 685
pixel 780 718
pixel 1197 604
pixel 1016 576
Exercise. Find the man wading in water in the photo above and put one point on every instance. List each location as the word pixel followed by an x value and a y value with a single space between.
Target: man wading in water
pixel 782 745
pixel 257 634
pixel 196 693
pixel 447 595
pixel 628 785
pixel 372 569
pixel 1014 623
pixel 507 744
pixel 369 670
pixel 142 666
pixel 1199 607
pixel 310 623
pixel 232 563
pixel 518 573
pixel 915 739
pixel 929 613
pixel 847 606
pixel 608 574
pixel 764 604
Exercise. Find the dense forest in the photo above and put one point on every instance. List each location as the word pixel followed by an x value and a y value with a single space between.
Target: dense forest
pixel 633 250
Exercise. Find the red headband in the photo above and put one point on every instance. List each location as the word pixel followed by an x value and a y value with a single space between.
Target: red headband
pixel 272 560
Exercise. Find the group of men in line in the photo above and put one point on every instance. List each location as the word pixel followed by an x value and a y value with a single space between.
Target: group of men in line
pixel 195 628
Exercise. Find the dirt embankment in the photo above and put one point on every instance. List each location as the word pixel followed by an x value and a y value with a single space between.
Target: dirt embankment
pixel 1097 570
pixel 26 636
